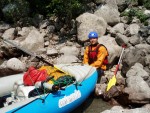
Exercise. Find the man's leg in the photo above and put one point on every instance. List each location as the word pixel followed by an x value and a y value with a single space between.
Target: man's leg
pixel 100 74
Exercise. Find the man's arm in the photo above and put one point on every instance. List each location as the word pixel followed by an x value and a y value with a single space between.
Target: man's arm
pixel 85 58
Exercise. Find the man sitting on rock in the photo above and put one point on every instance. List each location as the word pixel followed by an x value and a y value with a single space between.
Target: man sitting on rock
pixel 96 54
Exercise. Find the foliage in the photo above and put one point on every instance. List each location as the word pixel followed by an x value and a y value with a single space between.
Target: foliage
pixel 38 6
pixel 135 13
pixel 13 10
pixel 147 4
pixel 3 3
pixel 65 7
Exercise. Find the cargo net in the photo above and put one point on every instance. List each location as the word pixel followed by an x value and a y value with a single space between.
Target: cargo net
pixel 37 82
pixel 46 79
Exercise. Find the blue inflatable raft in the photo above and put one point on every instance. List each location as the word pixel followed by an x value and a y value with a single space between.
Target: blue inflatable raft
pixel 62 101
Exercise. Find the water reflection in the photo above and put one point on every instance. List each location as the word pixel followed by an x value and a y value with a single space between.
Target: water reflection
pixel 92 105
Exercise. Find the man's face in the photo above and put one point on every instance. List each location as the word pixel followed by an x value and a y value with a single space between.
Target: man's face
pixel 93 40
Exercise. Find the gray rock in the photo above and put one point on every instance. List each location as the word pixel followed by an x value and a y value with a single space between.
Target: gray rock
pixel 112 47
pixel 67 59
pixel 148 40
pixel 88 22
pixel 4 26
pixel 44 24
pixel 118 28
pixel 110 14
pixel 9 33
pixel 16 65
pixel 33 41
pixel 137 88
pixel 137 70
pixel 133 29
pixel 145 47
pixel 121 39
pixel 70 50
pixel 52 52
pixel 132 56
pixel 134 40
pixel 24 31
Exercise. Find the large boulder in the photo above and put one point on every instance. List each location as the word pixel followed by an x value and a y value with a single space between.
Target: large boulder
pixel 109 14
pixel 137 87
pixel 34 41
pixel 112 47
pixel 88 22
pixel 133 55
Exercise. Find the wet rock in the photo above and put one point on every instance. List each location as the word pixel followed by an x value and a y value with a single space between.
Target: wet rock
pixel 112 92
pixel 119 109
pixel 100 89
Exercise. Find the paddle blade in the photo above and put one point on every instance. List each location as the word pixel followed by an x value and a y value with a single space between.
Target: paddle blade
pixel 111 82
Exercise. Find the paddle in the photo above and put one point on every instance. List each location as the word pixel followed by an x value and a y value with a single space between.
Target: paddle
pixel 31 54
pixel 113 80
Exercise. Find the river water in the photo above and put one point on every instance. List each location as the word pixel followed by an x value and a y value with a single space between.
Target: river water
pixel 92 105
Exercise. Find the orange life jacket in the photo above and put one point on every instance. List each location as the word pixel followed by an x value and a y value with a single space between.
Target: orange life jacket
pixel 92 54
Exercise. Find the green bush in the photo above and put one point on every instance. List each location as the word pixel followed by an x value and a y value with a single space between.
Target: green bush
pixel 14 10
pixel 3 3
pixel 61 8
pixel 147 4
pixel 135 13
pixel 65 8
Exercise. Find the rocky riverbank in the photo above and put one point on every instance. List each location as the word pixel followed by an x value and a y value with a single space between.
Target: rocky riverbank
pixel 56 43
